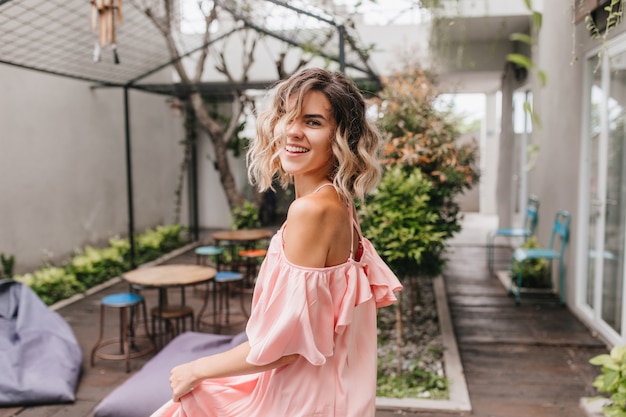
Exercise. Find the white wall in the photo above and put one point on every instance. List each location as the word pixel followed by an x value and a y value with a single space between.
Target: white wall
pixel 554 178
pixel 62 164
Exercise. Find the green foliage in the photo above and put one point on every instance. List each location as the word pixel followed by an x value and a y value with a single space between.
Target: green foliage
pixel 52 283
pixel 612 380
pixel 92 266
pixel 245 216
pixel 7 262
pixel 400 222
pixel 417 383
pixel 535 272
pixel 614 12
pixel 418 137
pixel 173 236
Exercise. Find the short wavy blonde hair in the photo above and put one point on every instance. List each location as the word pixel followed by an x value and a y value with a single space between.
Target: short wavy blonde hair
pixel 356 169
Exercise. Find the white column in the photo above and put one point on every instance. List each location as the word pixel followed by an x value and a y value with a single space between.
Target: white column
pixel 489 150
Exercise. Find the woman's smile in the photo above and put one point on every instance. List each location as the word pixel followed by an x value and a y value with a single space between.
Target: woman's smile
pixel 295 149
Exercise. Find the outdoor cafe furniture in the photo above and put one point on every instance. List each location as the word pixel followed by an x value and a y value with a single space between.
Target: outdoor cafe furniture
pixel 252 258
pixel 222 289
pixel 560 232
pixel 244 237
pixel 528 229
pixel 163 277
pixel 130 306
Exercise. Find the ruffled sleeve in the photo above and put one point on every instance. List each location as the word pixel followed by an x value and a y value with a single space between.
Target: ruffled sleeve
pixel 383 282
pixel 298 310
pixel 368 279
pixel 292 313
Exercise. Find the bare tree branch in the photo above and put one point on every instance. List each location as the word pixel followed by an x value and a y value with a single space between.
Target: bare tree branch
pixel 165 27
pixel 208 21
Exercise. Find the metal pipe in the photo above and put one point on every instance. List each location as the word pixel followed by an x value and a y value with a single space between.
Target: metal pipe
pixel 342 48
pixel 304 12
pixel 129 180
pixel 193 187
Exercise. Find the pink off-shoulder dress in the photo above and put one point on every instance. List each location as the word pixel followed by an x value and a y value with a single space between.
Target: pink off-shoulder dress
pixel 325 315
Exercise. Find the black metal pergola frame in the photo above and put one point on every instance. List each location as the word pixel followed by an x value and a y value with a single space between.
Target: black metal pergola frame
pixel 53 37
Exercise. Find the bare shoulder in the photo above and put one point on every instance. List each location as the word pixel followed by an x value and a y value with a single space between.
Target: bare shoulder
pixel 313 224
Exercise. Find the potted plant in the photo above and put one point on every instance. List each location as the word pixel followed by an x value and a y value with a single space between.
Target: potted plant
pixel 536 272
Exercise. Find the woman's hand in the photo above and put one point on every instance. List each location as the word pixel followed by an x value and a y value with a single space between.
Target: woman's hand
pixel 182 380
pixel 187 376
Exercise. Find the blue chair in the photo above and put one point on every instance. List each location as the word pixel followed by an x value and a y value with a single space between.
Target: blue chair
pixel 527 229
pixel 521 255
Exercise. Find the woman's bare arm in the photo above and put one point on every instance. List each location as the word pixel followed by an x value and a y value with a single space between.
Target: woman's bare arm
pixel 185 377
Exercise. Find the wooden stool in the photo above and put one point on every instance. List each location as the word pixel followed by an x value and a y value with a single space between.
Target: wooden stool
pixel 124 302
pixel 173 316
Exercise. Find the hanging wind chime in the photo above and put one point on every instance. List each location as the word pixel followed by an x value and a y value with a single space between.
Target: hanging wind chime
pixel 103 22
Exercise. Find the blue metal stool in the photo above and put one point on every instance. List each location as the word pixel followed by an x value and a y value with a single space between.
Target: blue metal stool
pixel 224 280
pixel 203 252
pixel 222 288
pixel 125 302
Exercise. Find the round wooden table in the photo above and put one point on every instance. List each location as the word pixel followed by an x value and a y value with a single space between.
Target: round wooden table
pixel 163 277
pixel 242 235
pixel 174 275
pixel 245 237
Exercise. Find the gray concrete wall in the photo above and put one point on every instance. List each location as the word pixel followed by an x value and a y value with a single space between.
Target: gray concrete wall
pixel 213 211
pixel 62 164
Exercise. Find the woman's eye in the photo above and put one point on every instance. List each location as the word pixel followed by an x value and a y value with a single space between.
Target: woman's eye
pixel 314 123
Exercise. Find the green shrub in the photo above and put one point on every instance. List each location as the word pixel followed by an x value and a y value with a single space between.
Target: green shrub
pixel 420 137
pixel 173 236
pixel 148 246
pixel 400 222
pixel 52 284
pixel 93 266
pixel 245 216
pixel 612 380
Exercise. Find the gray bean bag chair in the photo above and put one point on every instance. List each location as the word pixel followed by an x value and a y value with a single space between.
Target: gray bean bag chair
pixel 147 390
pixel 40 359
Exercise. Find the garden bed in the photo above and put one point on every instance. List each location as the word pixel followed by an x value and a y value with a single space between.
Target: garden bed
pixel 430 350
pixel 417 370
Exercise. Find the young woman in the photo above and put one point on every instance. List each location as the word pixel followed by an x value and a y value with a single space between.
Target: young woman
pixel 311 347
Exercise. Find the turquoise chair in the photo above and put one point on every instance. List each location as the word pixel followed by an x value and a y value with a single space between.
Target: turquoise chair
pixel 527 229
pixel 521 255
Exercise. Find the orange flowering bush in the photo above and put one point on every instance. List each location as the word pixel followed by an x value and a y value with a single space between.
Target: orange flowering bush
pixel 418 136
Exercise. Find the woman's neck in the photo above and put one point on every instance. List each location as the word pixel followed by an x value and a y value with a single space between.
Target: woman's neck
pixel 308 186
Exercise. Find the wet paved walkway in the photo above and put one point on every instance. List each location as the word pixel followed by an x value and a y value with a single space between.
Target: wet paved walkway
pixel 519 361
